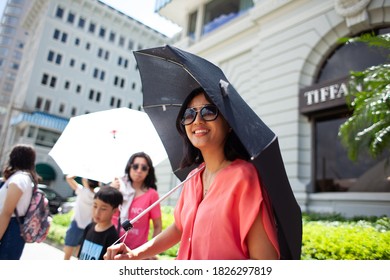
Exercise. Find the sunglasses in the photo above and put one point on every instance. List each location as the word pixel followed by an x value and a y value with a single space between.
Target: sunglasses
pixel 143 167
pixel 208 113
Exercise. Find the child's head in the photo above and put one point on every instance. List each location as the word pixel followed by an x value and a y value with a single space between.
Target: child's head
pixel 106 202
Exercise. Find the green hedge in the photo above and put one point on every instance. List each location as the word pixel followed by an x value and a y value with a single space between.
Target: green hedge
pixel 325 236
pixel 333 237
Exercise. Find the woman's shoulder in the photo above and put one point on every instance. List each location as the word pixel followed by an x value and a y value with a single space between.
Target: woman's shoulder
pixel 152 192
pixel 243 165
pixel 20 177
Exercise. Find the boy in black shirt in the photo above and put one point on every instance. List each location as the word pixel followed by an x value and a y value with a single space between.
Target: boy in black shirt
pixel 101 233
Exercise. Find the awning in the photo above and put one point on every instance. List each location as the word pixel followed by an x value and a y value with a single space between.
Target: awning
pixel 46 171
pixel 41 119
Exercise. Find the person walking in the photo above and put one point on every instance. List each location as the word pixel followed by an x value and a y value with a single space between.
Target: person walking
pixel 82 215
pixel 15 194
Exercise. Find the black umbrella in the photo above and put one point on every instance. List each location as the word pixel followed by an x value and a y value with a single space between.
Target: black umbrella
pixel 168 75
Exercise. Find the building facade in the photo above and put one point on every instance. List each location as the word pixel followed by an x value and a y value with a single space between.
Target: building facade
pixel 77 59
pixel 285 58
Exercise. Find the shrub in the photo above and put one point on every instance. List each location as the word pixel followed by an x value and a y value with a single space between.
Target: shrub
pixel 333 237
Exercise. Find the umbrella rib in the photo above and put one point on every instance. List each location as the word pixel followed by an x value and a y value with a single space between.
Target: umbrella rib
pixel 162 105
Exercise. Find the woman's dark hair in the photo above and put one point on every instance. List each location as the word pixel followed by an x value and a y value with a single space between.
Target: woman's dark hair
pixel 233 147
pixel 150 180
pixel 22 157
pixel 109 195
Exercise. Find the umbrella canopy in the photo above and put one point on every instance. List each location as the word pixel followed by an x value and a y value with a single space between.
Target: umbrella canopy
pixel 98 145
pixel 168 75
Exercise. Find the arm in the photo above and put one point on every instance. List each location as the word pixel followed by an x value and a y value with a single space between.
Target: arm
pixel 72 182
pixel 157 226
pixel 259 245
pixel 165 240
pixel 13 196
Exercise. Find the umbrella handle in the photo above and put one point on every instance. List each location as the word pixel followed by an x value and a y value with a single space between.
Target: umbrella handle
pixel 127 225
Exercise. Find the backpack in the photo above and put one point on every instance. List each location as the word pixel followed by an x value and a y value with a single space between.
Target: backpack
pixel 36 224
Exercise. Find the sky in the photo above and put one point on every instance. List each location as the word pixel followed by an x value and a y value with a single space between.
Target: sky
pixel 141 10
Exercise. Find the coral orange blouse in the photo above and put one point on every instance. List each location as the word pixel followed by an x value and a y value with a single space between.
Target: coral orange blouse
pixel 216 227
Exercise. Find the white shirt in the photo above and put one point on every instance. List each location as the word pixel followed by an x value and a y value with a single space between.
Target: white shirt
pixel 83 206
pixel 23 181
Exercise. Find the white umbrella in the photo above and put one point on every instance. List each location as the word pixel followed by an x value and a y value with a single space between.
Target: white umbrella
pixel 98 145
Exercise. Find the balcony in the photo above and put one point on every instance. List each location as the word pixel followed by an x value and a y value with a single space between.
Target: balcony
pixel 198 18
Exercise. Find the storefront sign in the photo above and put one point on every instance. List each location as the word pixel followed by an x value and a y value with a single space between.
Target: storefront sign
pixel 323 96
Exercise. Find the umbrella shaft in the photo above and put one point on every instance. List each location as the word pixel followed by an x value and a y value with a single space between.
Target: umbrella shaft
pixel 140 215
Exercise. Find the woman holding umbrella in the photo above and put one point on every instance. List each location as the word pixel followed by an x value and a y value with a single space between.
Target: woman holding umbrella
pixel 222 212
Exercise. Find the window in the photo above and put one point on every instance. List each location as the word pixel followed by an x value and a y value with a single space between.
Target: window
pixel 10 20
pixel 130 45
pixel 92 27
pixel 91 94
pixel 71 18
pixel 87 46
pixel 4 51
pixel 102 75
pixel 81 23
pixel 67 85
pixel 77 41
pixel 38 103
pixel 329 162
pixel 61 109
pixel 192 25
pixel 98 96
pixel 112 36
pixel 219 12
pixel 56 34
pixel 73 111
pixel 47 106
pixel 53 82
pixel 95 72
pixel 71 62
pixel 5 41
pixel 64 37
pixel 83 66
pixel 50 56
pixel 59 12
pixel 7 30
pixel 78 88
pixel 102 32
pixel 58 59
pixel 46 138
pixel 100 52
pixel 45 78
pixel 121 41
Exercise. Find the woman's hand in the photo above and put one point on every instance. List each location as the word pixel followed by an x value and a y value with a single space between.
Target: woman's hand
pixel 118 252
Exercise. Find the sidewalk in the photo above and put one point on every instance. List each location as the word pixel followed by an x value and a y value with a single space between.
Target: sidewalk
pixel 42 251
